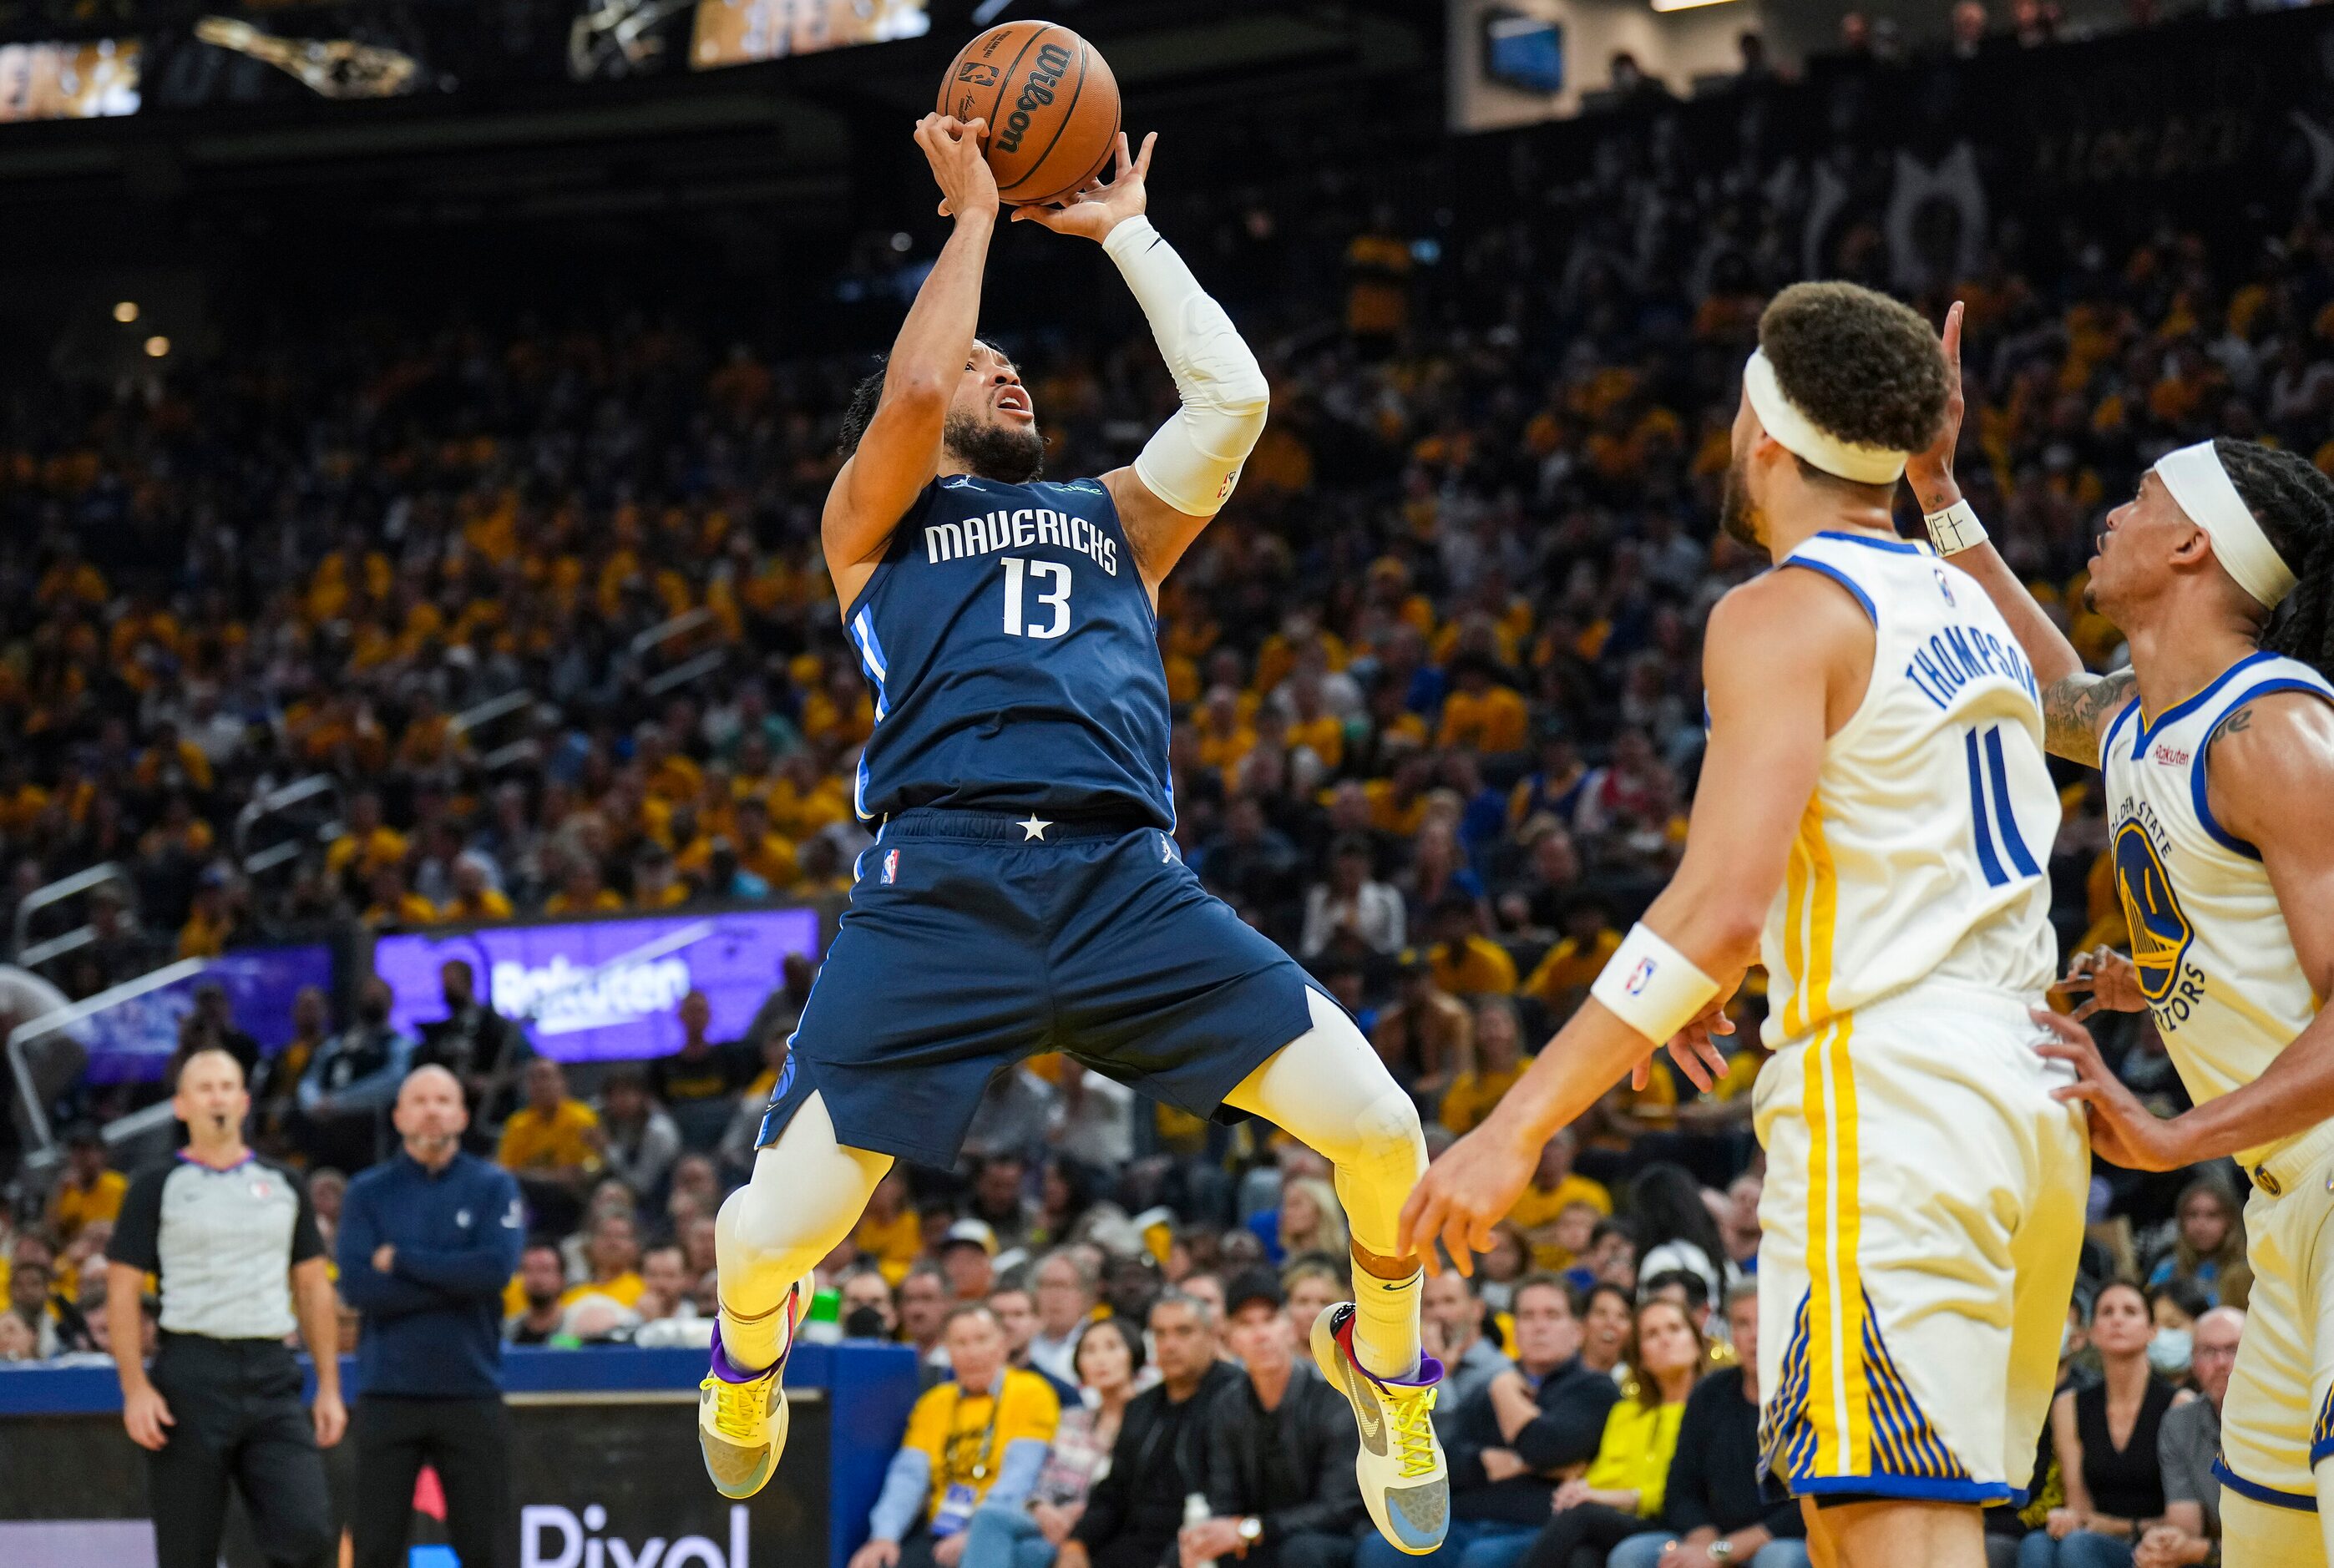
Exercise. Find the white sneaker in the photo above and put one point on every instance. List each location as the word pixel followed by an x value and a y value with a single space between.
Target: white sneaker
pixel 1405 1481
pixel 741 1425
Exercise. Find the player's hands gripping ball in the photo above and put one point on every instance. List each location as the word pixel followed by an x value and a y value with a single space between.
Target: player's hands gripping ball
pixel 952 147
pixel 1102 206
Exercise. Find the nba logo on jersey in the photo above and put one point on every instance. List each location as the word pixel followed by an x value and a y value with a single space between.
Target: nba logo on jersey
pixel 1944 583
pixel 891 868
pixel 1639 978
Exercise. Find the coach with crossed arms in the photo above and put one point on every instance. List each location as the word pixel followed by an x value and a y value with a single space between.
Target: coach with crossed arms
pixel 236 1245
pixel 428 1239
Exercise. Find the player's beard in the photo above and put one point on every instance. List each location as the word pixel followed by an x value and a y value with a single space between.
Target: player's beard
pixel 1736 514
pixel 1007 453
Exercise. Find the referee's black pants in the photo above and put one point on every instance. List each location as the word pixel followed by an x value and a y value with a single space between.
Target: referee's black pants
pixel 238 1421
pixel 468 1442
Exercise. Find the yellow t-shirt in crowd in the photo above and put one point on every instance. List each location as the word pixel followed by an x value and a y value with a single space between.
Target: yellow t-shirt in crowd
pixel 1636 1451
pixel 1497 721
pixel 530 1137
pixel 624 1290
pixel 1480 966
pixel 963 1434
pixel 1536 1207
pixel 1571 967
pixel 894 1245
pixel 1471 1095
pixel 71 1207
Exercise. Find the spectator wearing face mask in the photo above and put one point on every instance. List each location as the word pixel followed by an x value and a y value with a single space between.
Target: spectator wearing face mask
pixel 2190 1532
pixel 2173 1308
pixel 864 1306
pixel 542 1280
pixel 2113 1492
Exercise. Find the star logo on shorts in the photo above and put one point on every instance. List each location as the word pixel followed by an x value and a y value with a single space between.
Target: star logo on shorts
pixel 1034 828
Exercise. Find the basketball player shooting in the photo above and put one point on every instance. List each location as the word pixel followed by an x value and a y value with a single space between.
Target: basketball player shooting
pixel 1023 892
pixel 1872 802
pixel 2218 747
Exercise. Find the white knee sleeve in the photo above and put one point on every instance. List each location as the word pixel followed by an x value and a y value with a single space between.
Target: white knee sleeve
pixel 806 1194
pixel 1328 1089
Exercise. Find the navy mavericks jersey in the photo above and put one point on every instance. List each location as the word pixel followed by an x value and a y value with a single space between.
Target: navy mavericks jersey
pixel 1015 655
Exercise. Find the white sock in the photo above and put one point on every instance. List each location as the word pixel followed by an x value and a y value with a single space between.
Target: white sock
pixel 1385 1324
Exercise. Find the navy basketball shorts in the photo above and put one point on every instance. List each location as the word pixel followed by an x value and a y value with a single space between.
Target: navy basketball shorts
pixel 971 944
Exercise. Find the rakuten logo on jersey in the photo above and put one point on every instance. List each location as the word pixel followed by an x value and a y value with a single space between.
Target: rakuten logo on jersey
pixel 551 1536
pixel 2170 756
pixel 571 1002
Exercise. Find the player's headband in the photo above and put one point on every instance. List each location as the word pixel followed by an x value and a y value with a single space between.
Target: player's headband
pixel 1803 438
pixel 2202 488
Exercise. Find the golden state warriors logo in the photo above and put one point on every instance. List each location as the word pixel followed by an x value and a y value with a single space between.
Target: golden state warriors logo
pixel 2160 932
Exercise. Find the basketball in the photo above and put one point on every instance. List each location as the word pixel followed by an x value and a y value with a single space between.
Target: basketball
pixel 1051 104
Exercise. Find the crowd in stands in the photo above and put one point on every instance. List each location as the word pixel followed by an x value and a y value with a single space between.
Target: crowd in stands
pixel 1438 725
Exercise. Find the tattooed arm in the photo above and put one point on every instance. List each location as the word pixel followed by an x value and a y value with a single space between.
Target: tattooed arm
pixel 2076 707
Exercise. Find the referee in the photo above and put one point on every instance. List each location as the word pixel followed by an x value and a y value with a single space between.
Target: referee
pixel 428 1240
pixel 236 1244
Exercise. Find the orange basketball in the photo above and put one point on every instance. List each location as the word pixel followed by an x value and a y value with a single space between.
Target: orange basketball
pixel 1051 104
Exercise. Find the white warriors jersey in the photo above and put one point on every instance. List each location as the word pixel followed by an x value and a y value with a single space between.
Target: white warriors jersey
pixel 1922 852
pixel 2215 960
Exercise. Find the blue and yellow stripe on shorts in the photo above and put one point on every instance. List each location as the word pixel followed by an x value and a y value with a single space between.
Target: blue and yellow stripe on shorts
pixel 1842 1418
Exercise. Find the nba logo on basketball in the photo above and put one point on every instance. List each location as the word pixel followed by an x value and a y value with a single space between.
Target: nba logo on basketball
pixel 891 868
pixel 1639 976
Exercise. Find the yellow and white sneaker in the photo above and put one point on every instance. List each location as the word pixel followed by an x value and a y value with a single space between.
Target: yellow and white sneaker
pixel 1405 1481
pixel 741 1417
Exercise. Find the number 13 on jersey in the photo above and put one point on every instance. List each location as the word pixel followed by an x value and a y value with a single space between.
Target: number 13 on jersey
pixel 1022 576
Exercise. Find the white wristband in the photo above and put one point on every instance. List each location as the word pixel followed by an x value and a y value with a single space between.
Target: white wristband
pixel 1955 529
pixel 1653 987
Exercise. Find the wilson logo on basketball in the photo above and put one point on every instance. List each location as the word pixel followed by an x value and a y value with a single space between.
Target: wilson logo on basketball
pixel 1052 59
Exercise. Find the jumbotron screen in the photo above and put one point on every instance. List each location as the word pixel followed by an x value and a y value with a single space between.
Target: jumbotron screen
pixel 287 54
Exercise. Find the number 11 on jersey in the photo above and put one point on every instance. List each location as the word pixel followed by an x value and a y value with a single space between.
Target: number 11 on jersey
pixel 1017 574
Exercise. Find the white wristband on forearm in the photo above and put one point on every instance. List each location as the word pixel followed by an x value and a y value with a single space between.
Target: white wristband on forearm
pixel 1194 459
pixel 1653 987
pixel 1955 529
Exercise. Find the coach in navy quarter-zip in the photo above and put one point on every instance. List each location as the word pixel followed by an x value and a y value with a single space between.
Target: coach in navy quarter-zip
pixel 428 1240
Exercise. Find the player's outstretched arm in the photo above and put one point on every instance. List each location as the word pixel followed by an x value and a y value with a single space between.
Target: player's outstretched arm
pixel 900 450
pixel 1785 660
pixel 2076 704
pixel 2269 753
pixel 1186 473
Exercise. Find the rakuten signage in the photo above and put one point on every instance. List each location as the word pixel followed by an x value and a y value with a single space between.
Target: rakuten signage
pixel 605 990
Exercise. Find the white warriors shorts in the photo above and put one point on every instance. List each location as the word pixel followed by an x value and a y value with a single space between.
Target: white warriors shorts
pixel 2278 1421
pixel 1923 1217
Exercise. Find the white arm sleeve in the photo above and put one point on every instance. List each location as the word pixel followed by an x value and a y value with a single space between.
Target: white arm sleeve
pixel 1194 459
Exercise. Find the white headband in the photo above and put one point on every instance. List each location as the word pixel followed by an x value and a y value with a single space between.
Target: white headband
pixel 1802 436
pixel 2201 487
